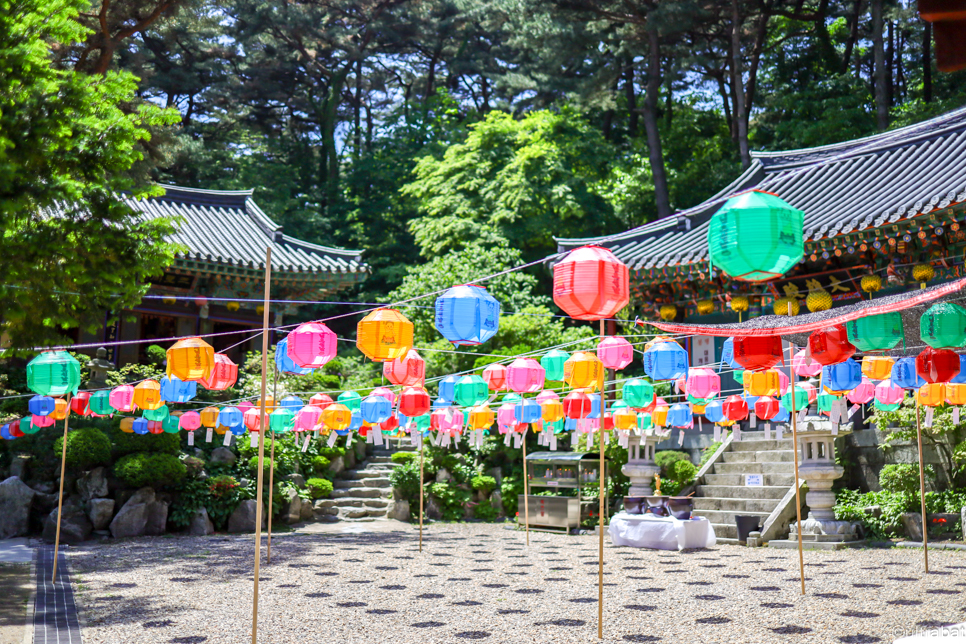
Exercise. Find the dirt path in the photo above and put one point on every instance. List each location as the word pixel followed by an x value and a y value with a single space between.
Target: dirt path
pixel 15 585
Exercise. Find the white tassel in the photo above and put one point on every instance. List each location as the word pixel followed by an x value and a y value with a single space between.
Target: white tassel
pixel 191 438
pixel 208 436
pixel 717 432
pixel 767 431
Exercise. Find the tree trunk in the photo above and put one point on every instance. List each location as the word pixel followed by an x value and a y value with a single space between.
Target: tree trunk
pixel 927 62
pixel 741 116
pixel 655 153
pixel 357 114
pixel 879 68
pixel 631 97
pixel 853 36
pixel 890 63
pixel 328 122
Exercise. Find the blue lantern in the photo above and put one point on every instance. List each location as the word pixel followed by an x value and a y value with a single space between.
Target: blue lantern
pixel 904 374
pixel 231 417
pixel 439 403
pixel 467 315
pixel 355 423
pixel 728 355
pixel 714 411
pixel 238 431
pixel 594 406
pixel 782 416
pixel 844 376
pixel 679 415
pixel 175 390
pixel 960 378
pixel 570 424
pixel 5 432
pixel 292 403
pixel 286 364
pixel 666 361
pixel 750 400
pixel 528 411
pixel 41 405
pixel 375 409
pixel 447 388
pixel 140 426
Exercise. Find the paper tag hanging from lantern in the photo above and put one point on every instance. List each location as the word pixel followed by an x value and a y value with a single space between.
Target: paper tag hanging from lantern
pixel 767 431
pixel 737 434
pixel 802 413
pixel 929 413
pixel 191 439
pixel 227 441
pixel 681 438
pixel 553 442
pixel 210 434
pixel 955 415
pixel 717 433
pixel 778 431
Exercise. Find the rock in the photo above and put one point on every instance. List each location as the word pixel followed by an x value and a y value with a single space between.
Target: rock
pixel 912 523
pixel 201 525
pixel 18 466
pixel 100 511
pixel 307 513
pixel 398 510
pixel 224 456
pixel 443 475
pixel 291 507
pixel 157 518
pixel 46 487
pixel 297 479
pixel 75 527
pixel 354 513
pixel 873 511
pixel 337 465
pixel 497 474
pixel 93 484
pixel 132 519
pixel 15 501
pixel 496 500
pixel 323 509
pixel 243 518
pixel 433 509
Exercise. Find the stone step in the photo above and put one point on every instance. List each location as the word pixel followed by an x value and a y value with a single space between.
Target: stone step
pixel 351 502
pixel 735 505
pixel 742 491
pixel 360 491
pixel 764 456
pixel 759 445
pixel 738 480
pixel 381 481
pixel 379 459
pixel 725 531
pixel 727 517
pixel 358 475
pixel 755 468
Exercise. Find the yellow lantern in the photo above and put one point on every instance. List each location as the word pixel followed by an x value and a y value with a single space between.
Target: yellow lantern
pixel 336 416
pixel 552 411
pixel 659 416
pixel 668 312
pixel 739 304
pixel 384 334
pixel 147 395
pixel 209 417
pixel 191 359
pixel 761 383
pixel 60 409
pixel 270 404
pixel 727 422
pixel 877 367
pixel 221 429
pixel 127 425
pixel 705 307
pixel 818 300
pixel 922 273
pixel 955 394
pixel 232 306
pixel 786 306
pixel 481 417
pixel 932 394
pixel 870 283
pixel 583 370
pixel 625 418
pixel 697 409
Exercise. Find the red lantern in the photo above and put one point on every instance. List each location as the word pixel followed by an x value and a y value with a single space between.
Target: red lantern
pixel 389 424
pixel 79 403
pixel 608 422
pixel 735 407
pixel 766 408
pixel 408 371
pixel 657 402
pixel 577 405
pixel 155 427
pixel 831 345
pixel 495 377
pixel 321 401
pixel 413 402
pixel 590 283
pixel 223 374
pixel 937 365
pixel 253 419
pixel 758 353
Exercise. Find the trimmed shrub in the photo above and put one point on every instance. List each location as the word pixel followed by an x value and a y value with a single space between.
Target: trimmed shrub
pixel 152 469
pixel 666 460
pixel 125 443
pixel 156 355
pixel 484 484
pixel 683 472
pixel 320 464
pixel 484 511
pixel 332 453
pixel 86 448
pixel 319 488
pixel 405 479
pixel 903 477
pixel 404 457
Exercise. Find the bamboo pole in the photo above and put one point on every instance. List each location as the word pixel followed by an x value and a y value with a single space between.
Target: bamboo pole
pixel 261 444
pixel 526 491
pixel 60 499
pixel 420 489
pixel 922 490
pixel 600 517
pixel 271 468
pixel 798 487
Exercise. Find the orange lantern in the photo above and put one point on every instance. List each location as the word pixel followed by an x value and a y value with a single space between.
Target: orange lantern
pixel 127 425
pixel 877 367
pixel 384 334
pixel 626 418
pixel 761 383
pixel 932 394
pixel 209 416
pixel 147 395
pixel 955 394
pixel 552 410
pixel 659 415
pixel 191 359
pixel 337 416
pixel 584 370
pixel 223 374
pixel 481 417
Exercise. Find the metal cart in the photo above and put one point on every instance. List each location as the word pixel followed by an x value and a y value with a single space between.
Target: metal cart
pixel 558 470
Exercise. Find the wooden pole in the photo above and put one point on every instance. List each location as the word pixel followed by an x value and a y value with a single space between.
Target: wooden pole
pixel 922 489
pixel 526 491
pixel 420 489
pixel 798 494
pixel 600 516
pixel 60 499
pixel 261 443
pixel 271 468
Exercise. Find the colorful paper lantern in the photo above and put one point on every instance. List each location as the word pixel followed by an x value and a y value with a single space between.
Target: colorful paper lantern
pixel 231 417
pixel 79 403
pixel 282 420
pixel 761 383
pixel 659 415
pixel 758 353
pixel 351 400
pixel 41 405
pixel 553 364
pixel 190 359
pixel 414 402
pixel 702 383
pixel 53 373
pixel 766 408
pixel 889 393
pixel 825 401
pixel 943 325
pixel 801 398
pixel 679 415
pixel 831 345
pixel 100 402
pixel 665 361
pixel 735 408
pixel 495 377
pixel 311 345
pixel 285 364
pixel 189 421
pixel 467 315
pixel 506 416
pixel 960 378
pixel 932 394
pixel 337 416
pixel 525 375
pixel 583 370
pixel 843 376
pixel 156 414
pixel 384 334
pixel 714 411
pixel 447 388
pixel 209 417
pixel 407 371
pixel 956 394
pixel 756 236
pixel 147 395
pixel 615 352
pixel 810 389
pixel 471 391
pixel 375 409
pixel 804 366
pixel 307 418
pixel 590 283
pixel 875 332
pixel 39 422
pixel 638 393
pixel 481 417
pixel 321 401
pixel 528 411
pixel 139 426
pixel 862 394
pixel 224 374
pixel 552 409
pixel 877 367
pixel 175 390
pixel 937 365
pixel 577 405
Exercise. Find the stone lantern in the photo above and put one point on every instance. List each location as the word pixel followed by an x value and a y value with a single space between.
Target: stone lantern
pixel 640 467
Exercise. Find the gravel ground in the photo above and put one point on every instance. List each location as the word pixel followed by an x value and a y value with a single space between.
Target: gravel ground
pixel 481 582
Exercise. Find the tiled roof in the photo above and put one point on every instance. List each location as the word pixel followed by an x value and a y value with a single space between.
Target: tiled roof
pixel 227 227
pixel 842 188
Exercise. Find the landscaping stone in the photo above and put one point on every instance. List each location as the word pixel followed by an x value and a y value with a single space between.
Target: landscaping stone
pixel 100 512
pixel 18 466
pixel 307 511
pixel 398 510
pixel 222 456
pixel 496 500
pixel 132 519
pixel 497 474
pixel 200 524
pixel 243 518
pixel 297 479
pixel 432 508
pixel 15 501
pixel 93 484
pixel 443 475
pixel 873 511
pixel 291 507
pixel 912 523
pixel 157 518
pixel 75 527
pixel 337 465
pixel 324 509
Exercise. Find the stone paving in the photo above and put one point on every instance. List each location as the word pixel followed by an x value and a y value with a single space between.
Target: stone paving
pixel 481 582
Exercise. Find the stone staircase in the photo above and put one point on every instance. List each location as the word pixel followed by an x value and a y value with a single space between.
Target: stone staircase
pixel 364 493
pixel 722 492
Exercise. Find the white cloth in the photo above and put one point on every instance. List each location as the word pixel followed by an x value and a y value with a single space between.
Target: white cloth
pixel 660 533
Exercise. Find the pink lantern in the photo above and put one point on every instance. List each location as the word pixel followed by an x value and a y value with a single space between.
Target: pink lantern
pixel 547 396
pixel 386 393
pixel 321 401
pixel 800 367
pixel 448 419
pixel 888 393
pixel 307 418
pixel 245 405
pixel 408 371
pixel 190 421
pixel 525 375
pixel 810 390
pixel 862 394
pixel 506 417
pixel 615 352
pixel 702 383
pixel 253 419
pixel 41 421
pixel 495 377
pixel 122 398
pixel 783 383
pixel 681 385
pixel 311 345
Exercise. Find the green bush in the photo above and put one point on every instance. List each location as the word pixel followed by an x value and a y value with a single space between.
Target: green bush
pixel 320 464
pixel 404 457
pixel 86 448
pixel 451 500
pixel 683 472
pixel 484 511
pixel 484 484
pixel 223 498
pixel 150 469
pixel 332 453
pixel 903 477
pixel 666 460
pixel 406 481
pixel 510 488
pixel 319 488
pixel 124 443
pixel 156 355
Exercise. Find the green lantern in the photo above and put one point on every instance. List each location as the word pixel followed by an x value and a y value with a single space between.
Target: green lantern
pixel 756 236
pixel 638 393
pixel 943 325
pixel 350 399
pixel 556 426
pixel 100 403
pixel 512 398
pixel 282 420
pixel 472 391
pixel 643 421
pixel 801 399
pixel 739 376
pixel 825 401
pixel 170 424
pixel 156 414
pixel 423 422
pixel 700 402
pixel 618 404
pixel 53 373
pixel 27 426
pixel 553 364
pixel 875 332
pixel 886 406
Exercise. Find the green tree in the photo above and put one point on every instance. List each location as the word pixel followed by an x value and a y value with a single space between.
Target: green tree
pixel 70 248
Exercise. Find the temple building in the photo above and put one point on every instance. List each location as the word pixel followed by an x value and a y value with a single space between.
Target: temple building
pixel 216 286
